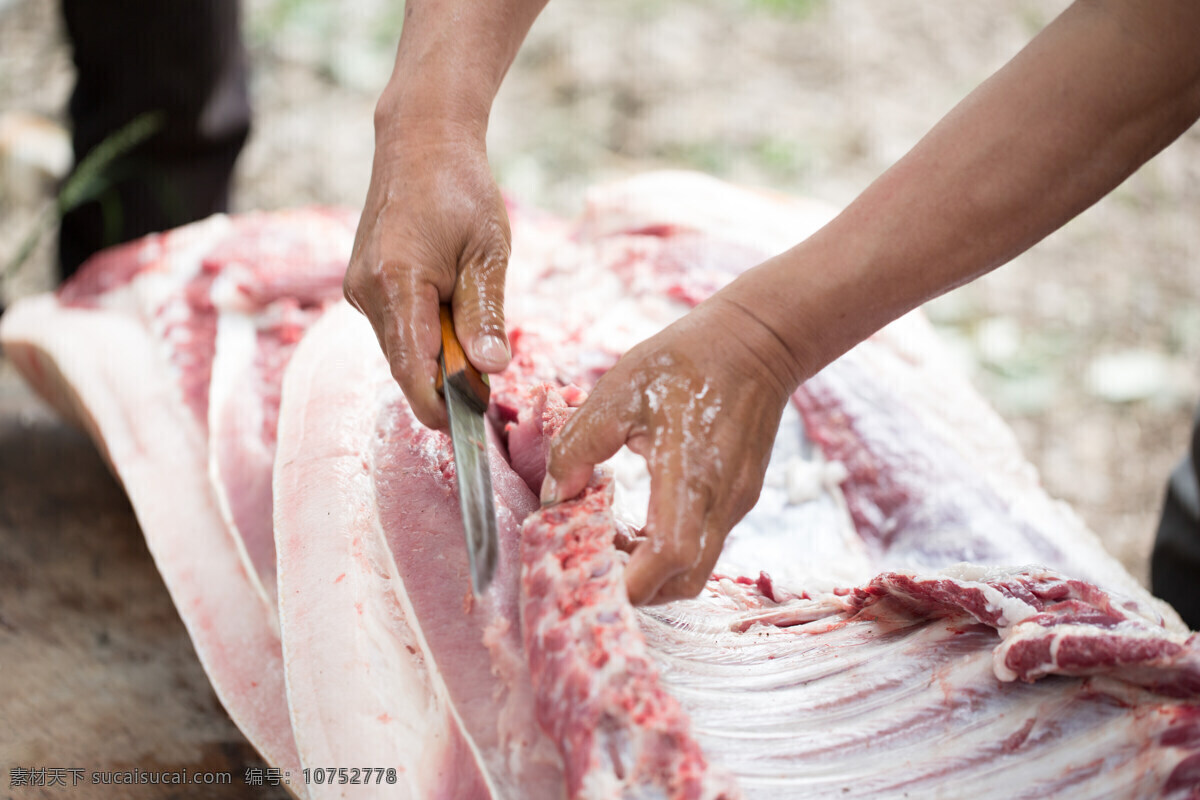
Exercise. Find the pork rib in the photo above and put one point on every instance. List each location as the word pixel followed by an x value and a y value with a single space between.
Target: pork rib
pixel 599 697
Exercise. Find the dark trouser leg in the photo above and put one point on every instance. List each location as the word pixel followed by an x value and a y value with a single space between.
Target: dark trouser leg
pixel 183 58
pixel 1175 563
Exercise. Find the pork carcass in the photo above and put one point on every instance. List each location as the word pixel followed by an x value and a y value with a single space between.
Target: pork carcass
pixel 839 649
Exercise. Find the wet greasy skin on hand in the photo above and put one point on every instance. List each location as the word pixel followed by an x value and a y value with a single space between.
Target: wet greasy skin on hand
pixel 702 406
pixel 430 235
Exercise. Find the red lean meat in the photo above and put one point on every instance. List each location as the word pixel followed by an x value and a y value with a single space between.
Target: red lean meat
pixel 839 650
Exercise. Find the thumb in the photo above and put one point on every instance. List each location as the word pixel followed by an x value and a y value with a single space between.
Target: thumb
pixel 478 304
pixel 593 434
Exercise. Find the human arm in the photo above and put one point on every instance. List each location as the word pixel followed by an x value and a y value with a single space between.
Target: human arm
pixel 434 229
pixel 1097 93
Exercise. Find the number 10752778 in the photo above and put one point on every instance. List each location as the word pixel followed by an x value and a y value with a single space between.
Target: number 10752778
pixel 357 775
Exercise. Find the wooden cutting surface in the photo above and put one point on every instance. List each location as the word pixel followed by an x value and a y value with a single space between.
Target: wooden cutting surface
pixel 97 673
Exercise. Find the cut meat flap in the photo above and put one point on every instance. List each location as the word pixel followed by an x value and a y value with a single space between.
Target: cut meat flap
pixel 169 351
pixel 247 376
pixel 398 571
pixel 345 619
pixel 839 650
pixel 1052 625
pixel 475 641
pixel 273 279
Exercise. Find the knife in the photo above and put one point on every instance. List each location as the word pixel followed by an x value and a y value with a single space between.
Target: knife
pixel 466 392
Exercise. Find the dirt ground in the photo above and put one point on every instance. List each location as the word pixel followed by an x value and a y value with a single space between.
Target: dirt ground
pixel 1089 345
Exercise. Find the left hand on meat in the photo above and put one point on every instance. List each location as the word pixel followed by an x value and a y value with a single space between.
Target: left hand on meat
pixel 701 402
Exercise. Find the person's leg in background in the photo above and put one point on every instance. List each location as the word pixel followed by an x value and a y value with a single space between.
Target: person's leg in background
pixel 183 58
pixel 1175 562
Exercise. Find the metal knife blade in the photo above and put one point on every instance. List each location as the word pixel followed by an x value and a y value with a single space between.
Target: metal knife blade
pixel 466 392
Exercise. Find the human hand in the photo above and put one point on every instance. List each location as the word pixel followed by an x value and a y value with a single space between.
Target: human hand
pixel 434 230
pixel 701 402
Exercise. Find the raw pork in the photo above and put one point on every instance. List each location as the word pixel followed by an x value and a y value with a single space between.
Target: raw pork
pixel 839 650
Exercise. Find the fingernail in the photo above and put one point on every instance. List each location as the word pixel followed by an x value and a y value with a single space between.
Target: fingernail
pixel 490 351
pixel 549 491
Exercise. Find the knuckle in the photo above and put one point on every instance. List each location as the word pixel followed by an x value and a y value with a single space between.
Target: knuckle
pixel 493 249
pixel 746 489
pixel 353 288
pixel 404 360
pixel 483 316
pixel 407 366
pixel 412 392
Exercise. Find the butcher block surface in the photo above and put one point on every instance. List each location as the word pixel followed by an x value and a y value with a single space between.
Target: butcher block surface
pixel 97 673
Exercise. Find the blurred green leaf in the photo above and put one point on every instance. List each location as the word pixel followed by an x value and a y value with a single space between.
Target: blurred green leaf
pixel 88 181
pixel 784 159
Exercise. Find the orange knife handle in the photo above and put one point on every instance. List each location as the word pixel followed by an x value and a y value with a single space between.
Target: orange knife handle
pixel 459 370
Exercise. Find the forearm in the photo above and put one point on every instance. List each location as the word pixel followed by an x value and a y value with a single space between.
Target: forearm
pixel 453 54
pixel 1101 90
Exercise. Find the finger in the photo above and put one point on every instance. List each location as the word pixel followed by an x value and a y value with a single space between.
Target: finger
pixel 691 582
pixel 674 527
pixel 724 512
pixel 593 433
pixel 412 341
pixel 478 302
pixel 401 317
pixel 356 287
